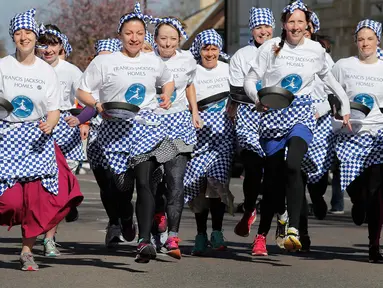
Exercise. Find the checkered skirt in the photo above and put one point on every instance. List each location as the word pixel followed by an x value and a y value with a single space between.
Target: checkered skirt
pixel 320 154
pixel 68 139
pixel 277 123
pixel 212 156
pixel 26 154
pixel 93 151
pixel 123 141
pixel 356 153
pixel 247 129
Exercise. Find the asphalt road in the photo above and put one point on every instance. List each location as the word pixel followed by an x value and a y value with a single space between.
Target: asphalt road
pixel 338 257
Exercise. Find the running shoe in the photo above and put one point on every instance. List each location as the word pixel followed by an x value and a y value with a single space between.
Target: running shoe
pixel 50 249
pixel 306 243
pixel 27 262
pixel 113 235
pixel 145 252
pixel 128 229
pixel 171 247
pixel 374 254
pixel 292 242
pixel 243 227
pixel 335 212
pixel 200 245
pixel 358 213
pixel 259 246
pixel 159 240
pixel 161 221
pixel 280 232
pixel 217 241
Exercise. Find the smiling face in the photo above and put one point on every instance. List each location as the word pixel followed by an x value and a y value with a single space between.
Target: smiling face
pixel 295 26
pixel 262 33
pixel 367 42
pixel 308 32
pixel 25 41
pixel 168 40
pixel 209 56
pixel 132 36
pixel 51 54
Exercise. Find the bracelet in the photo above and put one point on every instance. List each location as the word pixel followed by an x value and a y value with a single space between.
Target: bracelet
pixel 95 105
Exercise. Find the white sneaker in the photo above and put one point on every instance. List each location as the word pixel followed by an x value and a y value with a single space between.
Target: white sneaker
pixel 113 235
pixel 282 226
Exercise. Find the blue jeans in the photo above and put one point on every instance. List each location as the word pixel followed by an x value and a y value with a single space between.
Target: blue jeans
pixel 337 199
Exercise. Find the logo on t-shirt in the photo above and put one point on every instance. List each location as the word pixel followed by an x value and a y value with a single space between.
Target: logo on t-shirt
pixel 292 82
pixel 22 106
pixel 174 95
pixel 217 107
pixel 365 99
pixel 135 94
pixel 258 85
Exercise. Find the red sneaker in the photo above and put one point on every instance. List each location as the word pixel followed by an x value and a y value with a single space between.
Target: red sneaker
pixel 161 221
pixel 171 247
pixel 259 246
pixel 243 227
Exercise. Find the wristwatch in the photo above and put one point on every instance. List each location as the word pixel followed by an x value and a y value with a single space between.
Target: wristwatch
pixel 95 105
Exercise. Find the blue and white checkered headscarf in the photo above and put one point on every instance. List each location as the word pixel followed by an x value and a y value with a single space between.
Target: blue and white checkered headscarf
pixel 204 38
pixel 294 6
pixel 315 20
pixel 24 20
pixel 54 32
pixel 111 45
pixel 173 22
pixel 379 53
pixel 373 25
pixel 149 38
pixel 135 14
pixel 67 47
pixel 261 16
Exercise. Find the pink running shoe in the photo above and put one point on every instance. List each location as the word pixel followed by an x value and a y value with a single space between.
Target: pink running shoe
pixel 243 227
pixel 161 221
pixel 259 246
pixel 171 247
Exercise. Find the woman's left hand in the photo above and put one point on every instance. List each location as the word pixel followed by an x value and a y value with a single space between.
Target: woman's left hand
pixel 46 127
pixel 165 103
pixel 346 121
pixel 84 131
pixel 72 121
pixel 197 121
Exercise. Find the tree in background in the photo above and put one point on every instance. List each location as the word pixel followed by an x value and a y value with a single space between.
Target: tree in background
pixel 86 21
pixel 3 51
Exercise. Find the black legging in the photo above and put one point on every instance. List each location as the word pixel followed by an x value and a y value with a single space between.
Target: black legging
pixel 117 203
pixel 217 210
pixel 174 172
pixel 253 166
pixel 366 190
pixel 145 198
pixel 283 178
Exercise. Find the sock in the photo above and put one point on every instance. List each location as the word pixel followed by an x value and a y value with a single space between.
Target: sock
pixel 173 234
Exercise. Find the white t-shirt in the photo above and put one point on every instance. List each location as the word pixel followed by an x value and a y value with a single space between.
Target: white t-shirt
pixel 120 78
pixel 33 90
pixel 183 66
pixel 320 92
pixel 363 83
pixel 293 69
pixel 240 64
pixel 69 77
pixel 209 82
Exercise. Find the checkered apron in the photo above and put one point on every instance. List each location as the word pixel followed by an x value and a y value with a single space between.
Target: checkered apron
pixel 356 153
pixel 68 139
pixel 320 154
pixel 26 154
pixel 123 141
pixel 247 129
pixel 95 156
pixel 212 156
pixel 277 123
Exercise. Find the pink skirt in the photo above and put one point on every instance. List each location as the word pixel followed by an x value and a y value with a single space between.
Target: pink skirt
pixel 30 205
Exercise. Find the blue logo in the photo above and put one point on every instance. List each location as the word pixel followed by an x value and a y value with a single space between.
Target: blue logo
pixel 217 107
pixel 135 94
pixel 365 99
pixel 174 95
pixel 258 85
pixel 22 106
pixel 292 82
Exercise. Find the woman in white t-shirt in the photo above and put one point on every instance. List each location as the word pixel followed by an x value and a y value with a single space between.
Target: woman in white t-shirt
pixel 131 76
pixel 180 125
pixel 261 24
pixel 207 174
pixel 290 62
pixel 37 188
pixel 361 153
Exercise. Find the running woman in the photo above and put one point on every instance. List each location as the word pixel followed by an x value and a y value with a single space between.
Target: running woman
pixel 290 62
pixel 131 76
pixel 37 188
